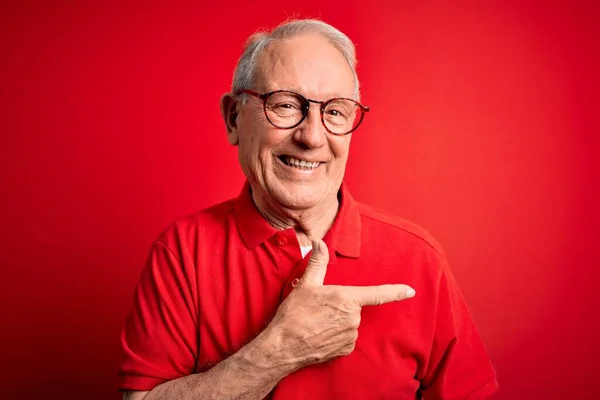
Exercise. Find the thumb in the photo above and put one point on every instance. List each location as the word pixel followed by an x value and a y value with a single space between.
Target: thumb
pixel 317 265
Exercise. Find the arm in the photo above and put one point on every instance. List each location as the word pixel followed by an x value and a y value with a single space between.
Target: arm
pixel 250 373
pixel 314 324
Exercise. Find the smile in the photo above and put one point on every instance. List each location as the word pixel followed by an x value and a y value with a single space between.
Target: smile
pixel 300 164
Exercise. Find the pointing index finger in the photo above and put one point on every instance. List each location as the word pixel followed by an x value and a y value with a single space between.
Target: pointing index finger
pixel 382 294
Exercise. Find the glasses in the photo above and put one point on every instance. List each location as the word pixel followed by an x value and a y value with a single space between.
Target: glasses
pixel 285 109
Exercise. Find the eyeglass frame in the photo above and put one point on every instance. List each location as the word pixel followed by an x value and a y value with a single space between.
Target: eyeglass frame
pixel 265 96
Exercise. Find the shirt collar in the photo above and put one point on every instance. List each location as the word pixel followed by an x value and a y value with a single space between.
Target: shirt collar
pixel 343 237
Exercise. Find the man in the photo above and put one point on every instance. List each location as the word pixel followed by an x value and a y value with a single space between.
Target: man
pixel 294 290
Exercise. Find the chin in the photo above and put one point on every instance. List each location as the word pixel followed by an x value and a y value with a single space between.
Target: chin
pixel 299 197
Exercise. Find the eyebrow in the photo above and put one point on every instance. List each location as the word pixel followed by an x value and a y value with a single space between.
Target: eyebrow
pixel 327 96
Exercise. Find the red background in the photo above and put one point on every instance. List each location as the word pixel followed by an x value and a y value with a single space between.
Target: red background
pixel 484 130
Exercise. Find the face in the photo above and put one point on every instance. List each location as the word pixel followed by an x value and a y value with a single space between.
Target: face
pixel 311 66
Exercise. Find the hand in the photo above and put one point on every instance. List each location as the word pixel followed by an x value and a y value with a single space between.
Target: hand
pixel 316 323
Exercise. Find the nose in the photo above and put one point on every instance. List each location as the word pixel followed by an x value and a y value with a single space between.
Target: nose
pixel 311 131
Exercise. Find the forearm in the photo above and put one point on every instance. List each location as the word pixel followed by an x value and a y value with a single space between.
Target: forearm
pixel 251 373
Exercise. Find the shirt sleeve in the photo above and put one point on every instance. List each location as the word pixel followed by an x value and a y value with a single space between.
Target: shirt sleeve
pixel 459 367
pixel 159 339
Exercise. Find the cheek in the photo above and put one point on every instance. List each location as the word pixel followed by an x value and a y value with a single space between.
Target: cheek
pixel 250 153
pixel 340 147
pixel 256 148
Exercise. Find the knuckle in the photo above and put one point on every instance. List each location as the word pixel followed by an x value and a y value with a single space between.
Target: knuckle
pixel 355 321
pixel 337 296
pixel 348 349
pixel 377 299
pixel 316 358
pixel 334 297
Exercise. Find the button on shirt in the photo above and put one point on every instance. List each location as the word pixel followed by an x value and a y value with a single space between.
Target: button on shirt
pixel 214 280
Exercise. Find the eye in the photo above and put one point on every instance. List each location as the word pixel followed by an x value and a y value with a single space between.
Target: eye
pixel 287 106
pixel 335 112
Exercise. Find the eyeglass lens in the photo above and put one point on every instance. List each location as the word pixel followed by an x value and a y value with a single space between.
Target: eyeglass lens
pixel 288 109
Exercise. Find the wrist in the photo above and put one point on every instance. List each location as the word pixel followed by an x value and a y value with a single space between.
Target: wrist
pixel 268 354
pixel 254 370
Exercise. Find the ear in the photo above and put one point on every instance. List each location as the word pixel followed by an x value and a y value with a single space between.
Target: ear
pixel 229 112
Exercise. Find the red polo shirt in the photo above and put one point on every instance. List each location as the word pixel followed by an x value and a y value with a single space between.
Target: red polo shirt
pixel 215 279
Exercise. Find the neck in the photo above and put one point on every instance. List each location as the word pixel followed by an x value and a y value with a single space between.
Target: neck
pixel 310 224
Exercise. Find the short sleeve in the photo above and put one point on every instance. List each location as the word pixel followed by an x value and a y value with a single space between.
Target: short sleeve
pixel 459 367
pixel 159 339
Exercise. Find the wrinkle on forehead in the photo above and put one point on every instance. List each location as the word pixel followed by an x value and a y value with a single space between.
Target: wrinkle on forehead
pixel 308 64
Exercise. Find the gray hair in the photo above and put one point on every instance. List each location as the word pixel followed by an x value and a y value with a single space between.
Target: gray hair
pixel 245 72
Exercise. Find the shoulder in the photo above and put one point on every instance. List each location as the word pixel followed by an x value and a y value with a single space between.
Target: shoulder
pixel 200 224
pixel 384 224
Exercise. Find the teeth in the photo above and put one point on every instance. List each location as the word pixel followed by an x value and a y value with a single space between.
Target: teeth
pixel 302 164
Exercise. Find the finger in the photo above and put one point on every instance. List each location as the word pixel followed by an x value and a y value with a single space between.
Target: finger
pixel 376 295
pixel 317 265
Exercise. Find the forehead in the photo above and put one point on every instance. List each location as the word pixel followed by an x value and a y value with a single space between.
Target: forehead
pixel 306 63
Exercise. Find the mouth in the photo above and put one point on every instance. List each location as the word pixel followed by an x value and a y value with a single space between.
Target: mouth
pixel 299 164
